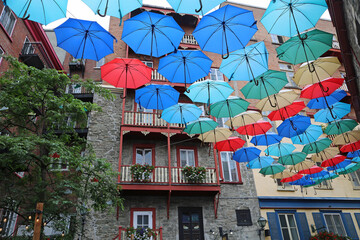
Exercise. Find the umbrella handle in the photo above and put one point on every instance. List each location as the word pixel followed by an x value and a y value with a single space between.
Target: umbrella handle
pixel 323 89
pixel 226 56
pixel 102 15
pixel 198 10
pixel 124 95
pixel 187 90
pixel 303 38
pixel 332 114
pixel 26 18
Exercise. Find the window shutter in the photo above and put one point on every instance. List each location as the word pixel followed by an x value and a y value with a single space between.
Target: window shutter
pixel 357 216
pixel 319 222
pixel 274 226
pixel 349 226
pixel 303 225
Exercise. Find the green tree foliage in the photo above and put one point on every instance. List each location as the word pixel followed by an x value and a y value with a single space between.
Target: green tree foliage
pixel 36 136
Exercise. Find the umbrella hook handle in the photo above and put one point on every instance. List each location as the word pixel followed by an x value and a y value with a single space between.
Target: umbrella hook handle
pixel 226 56
pixel 201 6
pixel 26 18
pixel 347 140
pixel 187 90
pixel 303 38
pixel 293 126
pixel 332 114
pixel 106 8
pixel 322 87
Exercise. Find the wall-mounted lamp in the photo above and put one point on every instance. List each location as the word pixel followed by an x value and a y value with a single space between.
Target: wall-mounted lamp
pixel 223 233
pixel 262 223
pixel 314 229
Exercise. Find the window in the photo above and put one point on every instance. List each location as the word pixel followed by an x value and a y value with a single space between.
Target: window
pixel 335 43
pixel 222 121
pixel 144 156
pixel 7 19
pixel 203 112
pixel 1 53
pixel 100 62
pixel 289 70
pixel 273 124
pixel 243 217
pixel 334 223
pixel 277 39
pixel 187 157
pixel 216 75
pixel 149 64
pixel 356 179
pixel 284 186
pixel 7 222
pixel 288 226
pixel 58 165
pixel 142 219
pixel 343 74
pixel 229 168
pixel 27 47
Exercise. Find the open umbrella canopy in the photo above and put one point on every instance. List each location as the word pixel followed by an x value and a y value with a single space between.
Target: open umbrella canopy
pixel 272 169
pixel 266 84
pixel 305 47
pixel 218 134
pixel 347 137
pixel 356 159
pixel 156 96
pixel 229 107
pixel 312 170
pixel 302 165
pixel 340 126
pixel 287 111
pixel 246 154
pixel 350 147
pixel 325 154
pixel 289 17
pixel 41 11
pixel 311 134
pixel 333 161
pixel 320 174
pixel 292 178
pixel 185 66
pixel 321 68
pixel 266 139
pixel 335 112
pixel 209 91
pixel 84 39
pixel 260 162
pixel 245 118
pixel 292 158
pixel 304 182
pixel 194 7
pixel 317 146
pixel 246 64
pixel 152 34
pixel 323 102
pixel 353 154
pixel 284 174
pixel 274 102
pixel 328 176
pixel 258 128
pixel 323 88
pixel 201 125
pixel 231 144
pixel 280 149
pixel 348 169
pixel 340 165
pixel 181 113
pixel 293 126
pixel 225 30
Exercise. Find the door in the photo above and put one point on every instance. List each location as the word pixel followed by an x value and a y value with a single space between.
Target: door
pixel 191 224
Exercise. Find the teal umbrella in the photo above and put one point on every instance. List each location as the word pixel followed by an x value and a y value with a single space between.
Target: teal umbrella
pixel 317 146
pixel 340 126
pixel 200 126
pixel 306 47
pixel 280 149
pixel 352 167
pixel 293 158
pixel 272 169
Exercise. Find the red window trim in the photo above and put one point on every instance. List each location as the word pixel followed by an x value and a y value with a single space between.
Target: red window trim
pixel 12 30
pixel 153 210
pixel 221 172
pixel 152 146
pixel 186 147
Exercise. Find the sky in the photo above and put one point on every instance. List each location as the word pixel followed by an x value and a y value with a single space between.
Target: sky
pixel 78 9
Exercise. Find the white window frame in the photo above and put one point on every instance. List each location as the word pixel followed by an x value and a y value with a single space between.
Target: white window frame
pixel 334 223
pixel 143 161
pixel 187 151
pixel 100 62
pixel 5 22
pixel 289 70
pixel 218 76
pixel 277 39
pixel 142 213
pixel 28 47
pixel 230 164
pixel 8 227
pixel 288 228
pixel 148 63
pixel 356 179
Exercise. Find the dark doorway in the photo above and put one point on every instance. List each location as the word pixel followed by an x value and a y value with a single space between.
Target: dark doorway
pixel 191 223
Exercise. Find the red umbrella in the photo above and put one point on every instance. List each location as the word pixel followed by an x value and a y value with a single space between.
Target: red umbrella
pixel 321 89
pixel 126 73
pixel 260 127
pixel 288 111
pixel 312 170
pixel 351 147
pixel 333 161
pixel 231 144
pixel 292 178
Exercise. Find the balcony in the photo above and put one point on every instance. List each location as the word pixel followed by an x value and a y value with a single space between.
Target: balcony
pixel 189 39
pixel 34 54
pixel 79 92
pixel 145 119
pixel 76 65
pixel 122 234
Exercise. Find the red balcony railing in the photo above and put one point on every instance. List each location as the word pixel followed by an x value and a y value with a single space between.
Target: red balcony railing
pixel 122 234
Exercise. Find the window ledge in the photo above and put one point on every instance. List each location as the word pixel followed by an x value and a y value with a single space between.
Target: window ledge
pixel 323 188
pixel 221 182
pixel 286 189
pixel 356 188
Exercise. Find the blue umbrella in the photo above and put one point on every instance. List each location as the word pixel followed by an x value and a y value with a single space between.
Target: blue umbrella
pixel 323 173
pixel 260 162
pixel 302 182
pixel 293 126
pixel 225 30
pixel 280 149
pixel 192 7
pixel 320 103
pixel 185 66
pixel 353 154
pixel 246 64
pixel 342 164
pixel 291 17
pixel 152 34
pixel 266 139
pixel 311 134
pixel 42 11
pixel 334 112
pixel 246 154
pixel 156 96
pixel 181 113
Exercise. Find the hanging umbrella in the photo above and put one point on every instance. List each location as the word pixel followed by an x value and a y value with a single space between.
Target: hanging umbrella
pixel 347 137
pixel 321 89
pixel 193 7
pixel 293 126
pixel 245 118
pixel 218 134
pixel 274 102
pixel 201 125
pixel 302 165
pixel 115 8
pixel 41 11
pixel 292 178
pixel 328 176
pixel 126 73
pixel 231 144
pixel 356 159
pixel 325 154
pixel 268 83
pixel 246 154
pixel 312 170
pixel 152 34
pixel 311 134
pixel 258 128
pixel 304 182
pixel 229 24
pixel 348 169
pixel 340 126
pixel 317 146
pixel 209 91
pixel 321 68
pixel 305 47
pixel 181 113
pixel 340 165
pixel 353 154
pixel 287 111
pixel 84 39
pixel 284 174
pixel 321 174
pixel 246 64
pixel 229 108
pixel 334 112
pixel 156 96
pixel 350 147
pixel 333 161
pixel 321 103
pixel 289 17
pixel 272 169
pixel 280 149
pixel 260 162
pixel 292 158
pixel 185 66
pixel 266 139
